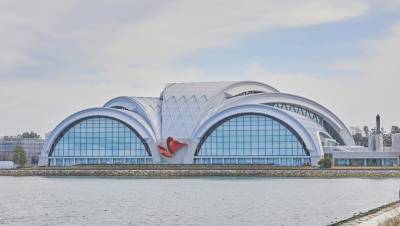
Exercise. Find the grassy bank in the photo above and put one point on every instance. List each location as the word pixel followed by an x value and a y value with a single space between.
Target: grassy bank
pixel 364 217
pixel 395 221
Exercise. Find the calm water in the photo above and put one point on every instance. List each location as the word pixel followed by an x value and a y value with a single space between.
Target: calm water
pixel 204 201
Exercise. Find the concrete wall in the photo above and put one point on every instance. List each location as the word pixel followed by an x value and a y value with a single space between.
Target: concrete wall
pixel 173 173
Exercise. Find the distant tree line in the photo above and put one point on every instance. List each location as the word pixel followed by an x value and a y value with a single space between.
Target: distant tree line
pixel 362 139
pixel 31 134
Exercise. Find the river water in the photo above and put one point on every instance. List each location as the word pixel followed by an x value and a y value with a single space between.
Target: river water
pixel 197 201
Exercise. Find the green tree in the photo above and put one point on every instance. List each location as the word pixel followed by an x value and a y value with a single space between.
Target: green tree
pixel 366 131
pixel 29 135
pixel 19 156
pixel 387 139
pixel 325 162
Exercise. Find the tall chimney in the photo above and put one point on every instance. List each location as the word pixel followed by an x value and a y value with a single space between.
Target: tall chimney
pixel 375 141
pixel 378 124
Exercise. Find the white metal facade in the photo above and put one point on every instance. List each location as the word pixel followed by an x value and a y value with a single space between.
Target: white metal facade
pixel 186 111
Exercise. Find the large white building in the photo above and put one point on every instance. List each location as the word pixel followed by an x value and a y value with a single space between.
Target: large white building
pixel 199 123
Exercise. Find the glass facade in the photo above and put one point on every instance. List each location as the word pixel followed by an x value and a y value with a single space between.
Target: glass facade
pixel 252 139
pixel 366 162
pixel 99 140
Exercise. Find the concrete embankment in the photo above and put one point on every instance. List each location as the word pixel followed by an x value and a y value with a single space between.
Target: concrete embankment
pixel 203 171
pixel 373 217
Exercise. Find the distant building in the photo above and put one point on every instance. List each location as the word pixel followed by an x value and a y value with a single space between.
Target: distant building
pixel 32 147
pixel 373 155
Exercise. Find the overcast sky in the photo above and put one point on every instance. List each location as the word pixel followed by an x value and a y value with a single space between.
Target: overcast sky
pixel 59 57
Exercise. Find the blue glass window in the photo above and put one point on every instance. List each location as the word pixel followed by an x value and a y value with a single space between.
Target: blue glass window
pixel 97 139
pixel 252 135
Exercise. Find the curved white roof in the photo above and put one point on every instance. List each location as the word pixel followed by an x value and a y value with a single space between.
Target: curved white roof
pixel 307 131
pixel 265 98
pixel 185 110
pixel 132 119
pixel 185 104
pixel 147 107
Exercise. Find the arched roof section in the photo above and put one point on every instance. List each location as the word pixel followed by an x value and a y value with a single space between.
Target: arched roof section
pixel 233 89
pixel 236 90
pixel 131 119
pixel 269 98
pixel 307 137
pixel 147 107
pixel 242 86
pixel 185 104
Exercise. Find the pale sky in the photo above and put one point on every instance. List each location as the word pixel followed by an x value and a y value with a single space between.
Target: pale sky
pixel 59 57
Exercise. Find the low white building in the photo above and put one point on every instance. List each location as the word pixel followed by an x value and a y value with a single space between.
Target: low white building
pixel 362 156
pixel 374 155
pixel 7 165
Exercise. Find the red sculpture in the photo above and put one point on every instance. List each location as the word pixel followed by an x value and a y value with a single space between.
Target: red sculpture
pixel 173 146
pixel 164 152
